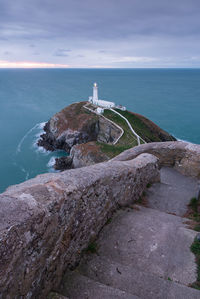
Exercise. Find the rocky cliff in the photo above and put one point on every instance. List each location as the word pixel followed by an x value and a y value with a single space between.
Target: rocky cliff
pixel 90 138
pixel 75 125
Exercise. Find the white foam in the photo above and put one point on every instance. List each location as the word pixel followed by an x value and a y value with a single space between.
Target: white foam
pixel 51 162
pixel 41 125
pixel 37 126
pixel 23 138
pixel 41 149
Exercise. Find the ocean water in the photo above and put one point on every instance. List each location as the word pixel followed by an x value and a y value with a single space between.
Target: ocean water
pixel 29 97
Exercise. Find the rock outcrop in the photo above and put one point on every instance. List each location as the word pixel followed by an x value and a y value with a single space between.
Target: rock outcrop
pixel 87 154
pixel 76 125
pixel 73 128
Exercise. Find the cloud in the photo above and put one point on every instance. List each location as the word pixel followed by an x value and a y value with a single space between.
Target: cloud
pixel 7 53
pixel 62 52
pixel 129 33
pixel 26 64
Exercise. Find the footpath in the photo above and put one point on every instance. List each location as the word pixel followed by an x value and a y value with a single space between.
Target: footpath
pixel 144 250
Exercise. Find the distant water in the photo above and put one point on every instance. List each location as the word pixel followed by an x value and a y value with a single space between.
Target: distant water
pixel 28 98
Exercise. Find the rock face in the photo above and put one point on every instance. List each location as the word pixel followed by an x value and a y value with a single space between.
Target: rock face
pixel 70 126
pixel 46 222
pixel 87 154
pixel 63 163
pixel 75 125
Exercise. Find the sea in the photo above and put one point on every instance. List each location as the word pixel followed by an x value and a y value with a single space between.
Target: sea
pixel 29 97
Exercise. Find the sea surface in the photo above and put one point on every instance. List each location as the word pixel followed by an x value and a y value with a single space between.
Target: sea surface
pixel 29 97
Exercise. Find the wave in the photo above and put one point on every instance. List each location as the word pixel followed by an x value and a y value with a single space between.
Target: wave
pixel 41 125
pixel 40 149
pixel 37 126
pixel 51 162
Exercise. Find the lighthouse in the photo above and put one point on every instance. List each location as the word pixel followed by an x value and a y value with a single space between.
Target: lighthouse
pixel 95 93
pixel 100 103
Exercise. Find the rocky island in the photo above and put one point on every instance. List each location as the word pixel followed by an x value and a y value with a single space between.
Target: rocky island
pixel 89 137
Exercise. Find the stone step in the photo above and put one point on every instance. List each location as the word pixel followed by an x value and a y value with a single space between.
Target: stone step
pixel 77 286
pixel 173 193
pixel 151 241
pixel 131 280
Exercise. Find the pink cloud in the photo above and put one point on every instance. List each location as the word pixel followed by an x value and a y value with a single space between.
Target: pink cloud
pixel 29 64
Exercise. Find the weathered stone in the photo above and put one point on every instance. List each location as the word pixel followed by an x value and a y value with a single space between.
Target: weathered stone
pixel 184 156
pixel 87 154
pixel 107 132
pixel 63 163
pixel 46 222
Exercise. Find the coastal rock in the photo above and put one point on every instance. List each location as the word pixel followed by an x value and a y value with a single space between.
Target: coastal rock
pixel 68 127
pixel 63 163
pixel 107 131
pixel 87 154
pixel 75 125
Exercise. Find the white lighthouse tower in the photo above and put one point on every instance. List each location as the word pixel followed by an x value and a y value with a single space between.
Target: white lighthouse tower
pixel 95 94
pixel 100 103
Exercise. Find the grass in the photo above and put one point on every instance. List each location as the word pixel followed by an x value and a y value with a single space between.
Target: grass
pixel 112 150
pixel 108 221
pixel 193 211
pixel 127 139
pixel 92 248
pixel 194 204
pixel 195 247
pixel 139 126
pixel 149 185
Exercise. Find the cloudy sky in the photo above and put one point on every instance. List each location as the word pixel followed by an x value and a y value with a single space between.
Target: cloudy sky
pixel 100 33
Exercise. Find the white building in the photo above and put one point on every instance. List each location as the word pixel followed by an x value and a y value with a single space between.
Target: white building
pixel 95 100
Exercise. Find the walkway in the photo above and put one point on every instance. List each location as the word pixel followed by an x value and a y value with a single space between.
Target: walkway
pixel 144 252
pixel 130 127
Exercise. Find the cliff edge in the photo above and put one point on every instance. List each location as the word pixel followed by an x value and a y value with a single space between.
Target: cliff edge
pixel 90 138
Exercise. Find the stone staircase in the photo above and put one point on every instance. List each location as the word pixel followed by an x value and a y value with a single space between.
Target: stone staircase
pixel 144 251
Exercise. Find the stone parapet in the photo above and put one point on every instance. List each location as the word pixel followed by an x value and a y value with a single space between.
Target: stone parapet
pixel 46 222
pixel 183 156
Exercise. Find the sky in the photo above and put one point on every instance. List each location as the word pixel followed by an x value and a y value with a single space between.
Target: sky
pixel 100 34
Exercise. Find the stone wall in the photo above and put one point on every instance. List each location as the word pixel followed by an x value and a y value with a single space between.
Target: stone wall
pixel 183 156
pixel 46 222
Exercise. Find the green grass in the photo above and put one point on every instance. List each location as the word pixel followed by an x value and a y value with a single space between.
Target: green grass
pixel 197 227
pixel 108 221
pixel 92 248
pixel 112 150
pixel 195 248
pixel 127 139
pixel 139 126
pixel 149 185
pixel 194 204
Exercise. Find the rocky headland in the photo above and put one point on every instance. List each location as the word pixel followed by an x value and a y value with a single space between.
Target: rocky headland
pixel 90 138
